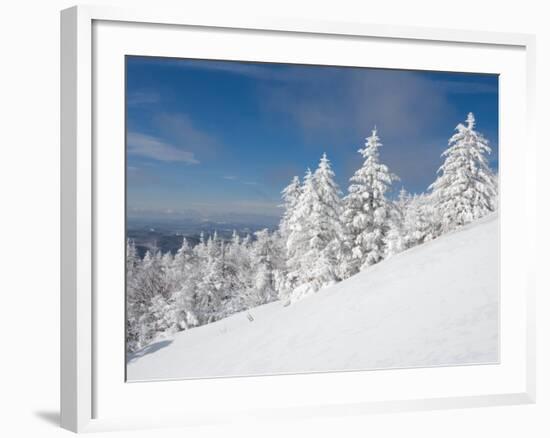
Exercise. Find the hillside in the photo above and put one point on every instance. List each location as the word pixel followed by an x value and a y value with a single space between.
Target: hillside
pixel 436 304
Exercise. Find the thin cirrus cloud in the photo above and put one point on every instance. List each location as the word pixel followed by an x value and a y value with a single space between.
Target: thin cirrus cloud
pixel 181 140
pixel 370 97
pixel 375 96
pixel 151 147
pixel 179 129
pixel 234 178
pixel 253 189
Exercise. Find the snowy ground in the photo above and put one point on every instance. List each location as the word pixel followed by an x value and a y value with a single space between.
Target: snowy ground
pixel 436 304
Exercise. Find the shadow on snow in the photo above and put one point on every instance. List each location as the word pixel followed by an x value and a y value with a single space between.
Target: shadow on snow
pixel 148 350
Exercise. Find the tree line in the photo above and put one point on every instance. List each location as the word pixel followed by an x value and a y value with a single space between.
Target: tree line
pixel 323 237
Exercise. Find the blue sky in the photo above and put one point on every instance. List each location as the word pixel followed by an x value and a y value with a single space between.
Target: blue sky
pixel 221 139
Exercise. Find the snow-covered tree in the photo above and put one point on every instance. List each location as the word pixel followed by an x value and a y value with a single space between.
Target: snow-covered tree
pixel 495 198
pixel 164 317
pixel 209 287
pixel 368 212
pixel 290 195
pixel 132 266
pixel 395 238
pixel 185 270
pixel 403 199
pixel 465 190
pixel 328 229
pixel 263 265
pixel 397 234
pixel 147 283
pixel 151 280
pixel 314 234
pixel 298 243
pixel 421 222
pixel 236 274
pixel 132 258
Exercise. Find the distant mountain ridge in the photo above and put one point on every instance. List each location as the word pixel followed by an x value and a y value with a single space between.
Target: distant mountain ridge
pixel 167 235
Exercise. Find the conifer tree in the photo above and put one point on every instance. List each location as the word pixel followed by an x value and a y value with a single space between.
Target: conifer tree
pixel 185 269
pixel 465 189
pixel 421 221
pixel 315 234
pixel 367 210
pixel 328 229
pixel 131 258
pixel 290 195
pixel 263 259
pixel 298 244
pixel 209 288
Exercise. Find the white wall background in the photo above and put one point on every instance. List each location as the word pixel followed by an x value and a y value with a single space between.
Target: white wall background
pixel 29 217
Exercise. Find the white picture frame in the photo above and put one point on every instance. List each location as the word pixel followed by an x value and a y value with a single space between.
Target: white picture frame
pixel 90 401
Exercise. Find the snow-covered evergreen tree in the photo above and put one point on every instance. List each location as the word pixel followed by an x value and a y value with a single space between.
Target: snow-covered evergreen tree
pixel 395 239
pixel 236 274
pixel 290 195
pixel 209 287
pixel 465 189
pixel 164 317
pixel 185 269
pixel 153 279
pixel 315 234
pixel 421 221
pixel 403 199
pixel 132 266
pixel 496 185
pixel 298 237
pixel 148 282
pixel 131 258
pixel 328 229
pixel 367 210
pixel 263 265
pixel 397 234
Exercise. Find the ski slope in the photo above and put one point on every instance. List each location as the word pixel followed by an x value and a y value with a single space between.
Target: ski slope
pixel 436 304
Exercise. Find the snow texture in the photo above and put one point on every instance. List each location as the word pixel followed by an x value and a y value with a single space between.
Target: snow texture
pixel 432 305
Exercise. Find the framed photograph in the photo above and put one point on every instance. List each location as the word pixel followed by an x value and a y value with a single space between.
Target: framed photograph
pixel 281 218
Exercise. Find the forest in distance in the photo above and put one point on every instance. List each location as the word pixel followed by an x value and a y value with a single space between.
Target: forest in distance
pixel 324 237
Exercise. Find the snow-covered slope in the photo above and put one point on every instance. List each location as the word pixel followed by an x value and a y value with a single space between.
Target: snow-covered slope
pixel 436 304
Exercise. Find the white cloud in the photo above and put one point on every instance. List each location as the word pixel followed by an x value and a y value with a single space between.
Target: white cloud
pixel 180 130
pixel 329 105
pixel 151 147
pixel 234 178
